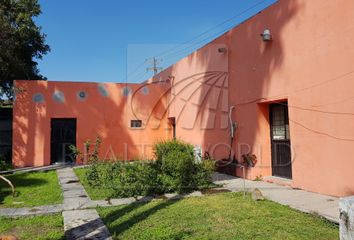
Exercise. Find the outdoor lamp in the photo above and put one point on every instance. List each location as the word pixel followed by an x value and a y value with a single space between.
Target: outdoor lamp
pixel 266 35
pixel 222 50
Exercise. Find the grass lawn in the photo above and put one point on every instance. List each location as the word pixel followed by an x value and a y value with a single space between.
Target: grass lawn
pixel 39 227
pixel 220 216
pixel 32 189
pixel 94 193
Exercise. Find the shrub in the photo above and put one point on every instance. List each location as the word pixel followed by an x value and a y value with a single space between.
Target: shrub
pixel 175 170
pixel 204 174
pixel 178 169
pixel 137 178
pixel 163 148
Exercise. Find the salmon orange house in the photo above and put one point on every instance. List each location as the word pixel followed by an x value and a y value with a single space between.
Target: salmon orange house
pixel 284 79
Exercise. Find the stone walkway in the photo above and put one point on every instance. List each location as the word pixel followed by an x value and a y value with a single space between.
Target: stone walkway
pixel 31 211
pixel 79 223
pixel 81 220
pixel 314 203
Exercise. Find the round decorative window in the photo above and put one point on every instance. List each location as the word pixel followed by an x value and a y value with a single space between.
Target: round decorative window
pixel 38 98
pixel 145 90
pixel 58 97
pixel 102 90
pixel 81 95
pixel 126 91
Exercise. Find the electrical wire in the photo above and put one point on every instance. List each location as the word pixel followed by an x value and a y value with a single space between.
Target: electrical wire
pixel 214 27
pixel 181 51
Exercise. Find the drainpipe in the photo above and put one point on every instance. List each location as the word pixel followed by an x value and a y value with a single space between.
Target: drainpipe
pixel 233 127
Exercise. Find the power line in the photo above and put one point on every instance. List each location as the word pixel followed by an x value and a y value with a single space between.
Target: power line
pixel 176 53
pixel 212 28
pixel 321 133
pixel 154 61
pixel 300 90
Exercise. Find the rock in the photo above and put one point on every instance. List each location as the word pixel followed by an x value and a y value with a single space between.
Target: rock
pixel 346 219
pixel 257 195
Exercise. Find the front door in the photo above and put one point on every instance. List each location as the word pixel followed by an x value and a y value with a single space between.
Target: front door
pixel 280 137
pixel 63 134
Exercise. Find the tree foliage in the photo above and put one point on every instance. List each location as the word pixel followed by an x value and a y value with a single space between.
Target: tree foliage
pixel 21 43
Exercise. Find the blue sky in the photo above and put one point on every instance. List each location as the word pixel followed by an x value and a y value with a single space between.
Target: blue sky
pixel 109 40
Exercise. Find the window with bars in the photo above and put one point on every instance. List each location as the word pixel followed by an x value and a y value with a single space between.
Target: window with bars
pixel 136 123
pixel 280 122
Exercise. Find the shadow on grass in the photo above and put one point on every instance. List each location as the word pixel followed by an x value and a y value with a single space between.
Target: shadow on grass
pixel 20 180
pixel 136 218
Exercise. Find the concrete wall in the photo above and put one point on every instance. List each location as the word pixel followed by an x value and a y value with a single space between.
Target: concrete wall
pixel 105 112
pixel 309 63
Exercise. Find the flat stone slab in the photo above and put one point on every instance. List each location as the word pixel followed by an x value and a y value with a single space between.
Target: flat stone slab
pixel 79 222
pixel 325 206
pixel 84 224
pixel 75 195
pixel 31 211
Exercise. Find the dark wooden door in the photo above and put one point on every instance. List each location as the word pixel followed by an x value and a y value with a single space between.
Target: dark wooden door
pixel 6 134
pixel 63 134
pixel 280 137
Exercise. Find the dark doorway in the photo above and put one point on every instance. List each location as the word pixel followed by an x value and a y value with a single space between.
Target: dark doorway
pixel 6 134
pixel 63 134
pixel 280 138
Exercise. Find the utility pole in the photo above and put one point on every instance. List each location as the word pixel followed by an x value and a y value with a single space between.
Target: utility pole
pixel 154 62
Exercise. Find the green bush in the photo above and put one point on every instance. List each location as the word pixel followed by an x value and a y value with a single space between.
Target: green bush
pixel 137 178
pixel 204 174
pixel 98 174
pixel 179 172
pixel 163 148
pixel 174 170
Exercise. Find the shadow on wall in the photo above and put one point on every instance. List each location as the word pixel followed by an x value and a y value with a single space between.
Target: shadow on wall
pixel 208 82
pixel 98 115
pixel 252 65
pixel 203 87
pixel 200 89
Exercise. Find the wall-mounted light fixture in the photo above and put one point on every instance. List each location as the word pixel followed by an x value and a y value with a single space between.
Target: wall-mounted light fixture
pixel 266 35
pixel 222 50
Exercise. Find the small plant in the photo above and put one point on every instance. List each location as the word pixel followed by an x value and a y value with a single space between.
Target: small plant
pixel 249 160
pixel 95 169
pixel 259 178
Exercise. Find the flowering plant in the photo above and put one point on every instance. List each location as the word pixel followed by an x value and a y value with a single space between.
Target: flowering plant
pixel 249 160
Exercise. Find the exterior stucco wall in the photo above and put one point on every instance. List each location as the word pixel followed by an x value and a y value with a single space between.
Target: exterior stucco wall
pixel 309 63
pixel 199 99
pixel 106 112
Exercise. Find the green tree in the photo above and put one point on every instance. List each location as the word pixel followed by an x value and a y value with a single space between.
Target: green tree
pixel 21 43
